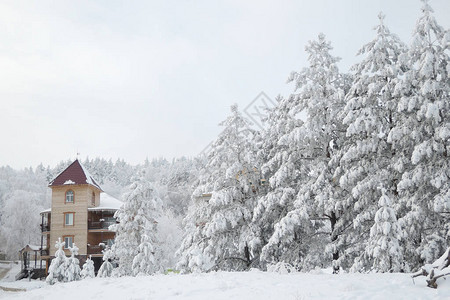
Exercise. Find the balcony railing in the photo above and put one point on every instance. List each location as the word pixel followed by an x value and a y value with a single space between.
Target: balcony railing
pixel 100 224
pixel 45 227
pixel 94 249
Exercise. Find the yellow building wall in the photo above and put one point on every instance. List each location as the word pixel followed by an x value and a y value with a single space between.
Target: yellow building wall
pixel 82 200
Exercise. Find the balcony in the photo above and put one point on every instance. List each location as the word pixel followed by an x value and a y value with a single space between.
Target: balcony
pixel 100 224
pixel 45 227
pixel 95 249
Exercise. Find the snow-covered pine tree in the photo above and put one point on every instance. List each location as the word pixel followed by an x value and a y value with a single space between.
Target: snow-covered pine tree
pixel 421 140
pixel 366 156
pixel 194 241
pixel 72 267
pixel 136 231
pixel 218 227
pixel 106 268
pixel 278 171
pixel 88 270
pixel 57 269
pixel 383 248
pixel 305 149
pixel 144 262
pixel 322 91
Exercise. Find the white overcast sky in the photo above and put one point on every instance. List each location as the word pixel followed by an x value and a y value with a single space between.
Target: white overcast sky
pixel 137 79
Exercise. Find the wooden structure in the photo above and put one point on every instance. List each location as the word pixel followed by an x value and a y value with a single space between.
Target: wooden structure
pixel 31 264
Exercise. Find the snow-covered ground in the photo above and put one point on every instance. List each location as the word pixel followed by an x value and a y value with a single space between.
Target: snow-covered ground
pixel 242 285
pixel 8 270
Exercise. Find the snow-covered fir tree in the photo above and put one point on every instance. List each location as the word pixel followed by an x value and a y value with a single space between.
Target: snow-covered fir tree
pixel 218 226
pixel 136 231
pixel 57 268
pixel 321 90
pixel 305 150
pixel 88 270
pixel 277 169
pixel 383 247
pixel 421 140
pixel 72 267
pixel 366 156
pixel 145 262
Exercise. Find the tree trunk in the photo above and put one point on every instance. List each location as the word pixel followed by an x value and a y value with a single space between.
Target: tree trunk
pixel 247 255
pixel 333 220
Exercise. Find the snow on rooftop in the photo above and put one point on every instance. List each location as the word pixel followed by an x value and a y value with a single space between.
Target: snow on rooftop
pixel 107 202
pixel 46 211
pixel 89 178
pixel 69 182
pixel 31 247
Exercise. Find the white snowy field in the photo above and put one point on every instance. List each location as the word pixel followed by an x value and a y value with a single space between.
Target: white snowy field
pixel 242 285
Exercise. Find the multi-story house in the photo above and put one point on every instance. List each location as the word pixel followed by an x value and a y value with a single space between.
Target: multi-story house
pixel 80 213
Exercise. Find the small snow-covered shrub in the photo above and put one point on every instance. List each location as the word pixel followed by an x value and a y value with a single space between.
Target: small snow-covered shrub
pixel 57 269
pixel 73 270
pixel 88 269
pixel 282 268
pixel 106 268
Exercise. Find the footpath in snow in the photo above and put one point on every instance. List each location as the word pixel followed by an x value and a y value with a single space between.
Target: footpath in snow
pixel 242 285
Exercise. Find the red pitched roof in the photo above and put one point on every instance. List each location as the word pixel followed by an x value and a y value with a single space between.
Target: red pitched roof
pixel 74 174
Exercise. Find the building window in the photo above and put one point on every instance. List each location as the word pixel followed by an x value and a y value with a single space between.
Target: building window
pixel 68 241
pixel 93 199
pixel 69 196
pixel 68 219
